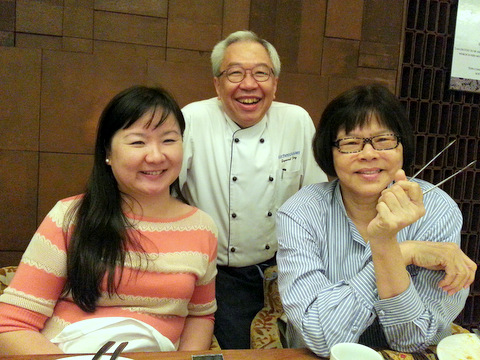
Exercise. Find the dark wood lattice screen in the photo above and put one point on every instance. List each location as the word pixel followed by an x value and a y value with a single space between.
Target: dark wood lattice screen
pixel 439 116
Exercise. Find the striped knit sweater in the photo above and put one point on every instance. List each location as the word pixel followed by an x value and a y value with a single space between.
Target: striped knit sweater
pixel 174 277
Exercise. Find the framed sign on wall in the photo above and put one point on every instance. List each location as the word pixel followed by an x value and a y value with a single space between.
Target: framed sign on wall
pixel 465 73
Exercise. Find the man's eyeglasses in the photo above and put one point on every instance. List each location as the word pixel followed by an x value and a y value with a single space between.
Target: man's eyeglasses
pixel 236 74
pixel 351 145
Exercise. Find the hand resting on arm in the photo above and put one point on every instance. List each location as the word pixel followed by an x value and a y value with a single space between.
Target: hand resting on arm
pixel 459 268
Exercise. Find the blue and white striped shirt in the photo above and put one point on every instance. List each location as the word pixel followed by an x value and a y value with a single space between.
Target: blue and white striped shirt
pixel 327 280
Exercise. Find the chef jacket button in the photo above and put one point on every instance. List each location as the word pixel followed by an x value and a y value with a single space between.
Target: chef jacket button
pixel 262 140
pixel 270 178
pixel 232 249
pixel 267 247
pixel 354 329
pixel 234 178
pixel 269 213
pixel 236 140
pixel 381 313
pixel 234 215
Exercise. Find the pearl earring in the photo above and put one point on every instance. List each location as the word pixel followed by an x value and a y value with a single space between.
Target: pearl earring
pixel 107 160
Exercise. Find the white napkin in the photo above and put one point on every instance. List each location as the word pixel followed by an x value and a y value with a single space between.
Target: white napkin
pixel 87 336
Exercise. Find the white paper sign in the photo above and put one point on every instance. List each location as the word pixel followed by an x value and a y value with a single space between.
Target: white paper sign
pixel 465 73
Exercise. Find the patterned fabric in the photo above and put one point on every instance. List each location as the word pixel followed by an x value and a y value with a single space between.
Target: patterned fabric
pixel 178 257
pixel 265 332
pixel 327 276
pixel 6 275
pixel 214 345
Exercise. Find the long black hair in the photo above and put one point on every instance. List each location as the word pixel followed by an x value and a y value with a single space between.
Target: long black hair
pixel 99 232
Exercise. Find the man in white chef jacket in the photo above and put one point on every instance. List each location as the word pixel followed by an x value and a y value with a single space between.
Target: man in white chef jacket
pixel 244 155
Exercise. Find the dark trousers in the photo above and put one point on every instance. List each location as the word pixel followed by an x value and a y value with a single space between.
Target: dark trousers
pixel 239 293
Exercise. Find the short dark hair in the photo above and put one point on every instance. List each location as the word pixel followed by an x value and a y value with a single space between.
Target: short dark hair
pixel 354 108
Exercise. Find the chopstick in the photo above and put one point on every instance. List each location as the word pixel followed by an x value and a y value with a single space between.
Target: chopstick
pixel 423 168
pixel 118 350
pixel 444 180
pixel 103 350
pixel 451 176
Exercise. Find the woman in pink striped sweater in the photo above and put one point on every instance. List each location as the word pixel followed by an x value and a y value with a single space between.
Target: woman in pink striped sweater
pixel 126 260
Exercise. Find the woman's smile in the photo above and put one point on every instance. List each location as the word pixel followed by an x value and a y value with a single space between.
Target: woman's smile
pixel 367 172
pixel 153 172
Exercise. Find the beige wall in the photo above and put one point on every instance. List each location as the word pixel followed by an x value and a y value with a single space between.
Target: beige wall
pixel 62 60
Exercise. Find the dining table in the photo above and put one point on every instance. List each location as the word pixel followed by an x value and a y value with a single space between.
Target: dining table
pixel 250 354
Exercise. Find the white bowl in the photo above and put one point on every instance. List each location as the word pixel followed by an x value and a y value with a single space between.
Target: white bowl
pixel 353 351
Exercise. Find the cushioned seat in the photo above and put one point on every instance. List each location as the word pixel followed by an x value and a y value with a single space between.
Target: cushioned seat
pixel 6 275
pixel 265 329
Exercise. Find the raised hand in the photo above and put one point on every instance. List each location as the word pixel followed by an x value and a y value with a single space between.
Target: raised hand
pixel 398 206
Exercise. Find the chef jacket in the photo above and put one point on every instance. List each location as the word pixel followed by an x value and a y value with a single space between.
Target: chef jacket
pixel 241 177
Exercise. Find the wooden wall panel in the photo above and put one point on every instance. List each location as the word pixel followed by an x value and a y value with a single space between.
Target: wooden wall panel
pixel 62 60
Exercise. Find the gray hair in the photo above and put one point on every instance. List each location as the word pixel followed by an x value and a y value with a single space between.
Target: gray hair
pixel 218 52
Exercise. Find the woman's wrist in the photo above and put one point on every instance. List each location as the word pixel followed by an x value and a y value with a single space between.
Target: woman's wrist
pixel 406 248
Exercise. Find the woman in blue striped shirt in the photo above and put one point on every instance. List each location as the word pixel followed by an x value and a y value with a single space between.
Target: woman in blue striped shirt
pixel 367 258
